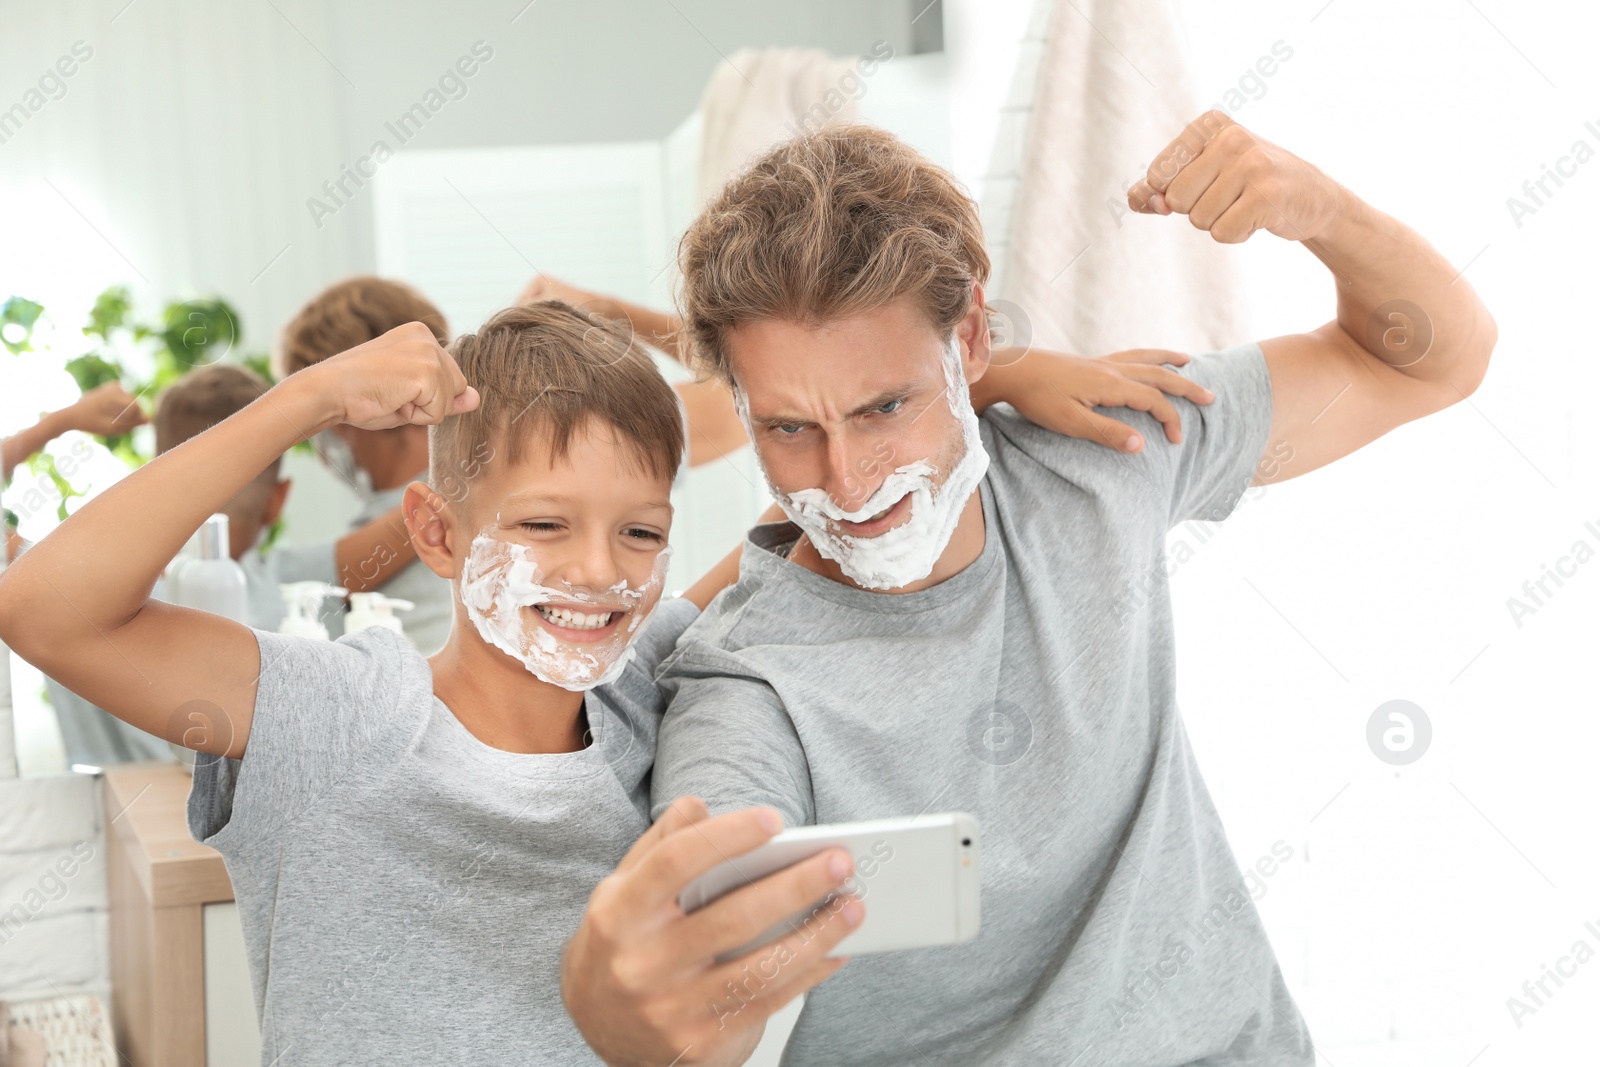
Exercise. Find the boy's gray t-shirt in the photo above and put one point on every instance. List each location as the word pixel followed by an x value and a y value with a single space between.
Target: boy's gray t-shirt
pixel 1036 690
pixel 405 889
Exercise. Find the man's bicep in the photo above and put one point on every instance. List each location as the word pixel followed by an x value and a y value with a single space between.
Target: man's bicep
pixel 729 741
pixel 1331 397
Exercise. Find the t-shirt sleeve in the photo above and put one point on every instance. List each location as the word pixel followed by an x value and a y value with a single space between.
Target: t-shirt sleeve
pixel 727 739
pixel 319 705
pixel 1222 441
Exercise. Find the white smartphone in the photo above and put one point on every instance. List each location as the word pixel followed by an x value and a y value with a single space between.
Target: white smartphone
pixel 917 876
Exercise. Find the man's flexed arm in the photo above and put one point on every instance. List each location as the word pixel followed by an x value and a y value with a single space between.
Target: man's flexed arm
pixel 1409 338
pixel 77 605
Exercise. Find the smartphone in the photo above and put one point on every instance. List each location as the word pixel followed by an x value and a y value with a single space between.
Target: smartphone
pixel 918 878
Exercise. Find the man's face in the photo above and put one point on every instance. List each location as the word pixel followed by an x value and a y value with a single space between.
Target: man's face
pixel 559 562
pixel 841 407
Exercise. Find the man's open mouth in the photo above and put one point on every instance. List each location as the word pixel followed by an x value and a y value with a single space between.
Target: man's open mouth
pixel 883 521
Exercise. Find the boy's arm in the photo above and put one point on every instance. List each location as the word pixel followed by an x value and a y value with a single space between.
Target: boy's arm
pixel 81 611
pixel 105 409
pixel 1060 391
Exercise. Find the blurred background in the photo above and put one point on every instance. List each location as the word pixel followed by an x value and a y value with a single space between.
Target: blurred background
pixel 210 168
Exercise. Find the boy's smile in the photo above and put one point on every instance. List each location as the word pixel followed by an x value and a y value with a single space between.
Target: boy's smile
pixel 575 622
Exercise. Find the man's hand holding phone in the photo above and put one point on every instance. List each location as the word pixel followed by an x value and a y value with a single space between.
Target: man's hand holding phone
pixel 640 977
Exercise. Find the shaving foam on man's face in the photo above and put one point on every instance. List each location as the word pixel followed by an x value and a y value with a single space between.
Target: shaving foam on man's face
pixel 896 535
pixel 569 636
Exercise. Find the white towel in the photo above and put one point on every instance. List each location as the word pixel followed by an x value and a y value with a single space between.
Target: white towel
pixel 758 97
pixel 1089 275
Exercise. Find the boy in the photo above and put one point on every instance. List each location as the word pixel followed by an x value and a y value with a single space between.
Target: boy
pixel 411 841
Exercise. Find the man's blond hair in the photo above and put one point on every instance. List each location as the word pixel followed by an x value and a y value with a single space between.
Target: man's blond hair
pixel 822 227
pixel 543 371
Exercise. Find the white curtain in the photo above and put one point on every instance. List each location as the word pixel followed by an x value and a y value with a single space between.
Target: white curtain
pixel 1112 90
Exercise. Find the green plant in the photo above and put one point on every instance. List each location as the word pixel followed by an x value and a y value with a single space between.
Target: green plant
pixel 188 334
pixel 17 316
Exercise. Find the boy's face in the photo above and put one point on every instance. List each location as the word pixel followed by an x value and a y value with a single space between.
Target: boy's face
pixel 558 562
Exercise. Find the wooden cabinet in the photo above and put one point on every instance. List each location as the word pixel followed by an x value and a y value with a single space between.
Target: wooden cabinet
pixel 171 911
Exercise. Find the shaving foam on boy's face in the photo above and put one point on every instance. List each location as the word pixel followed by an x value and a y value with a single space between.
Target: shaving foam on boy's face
pixel 568 636
pixel 897 534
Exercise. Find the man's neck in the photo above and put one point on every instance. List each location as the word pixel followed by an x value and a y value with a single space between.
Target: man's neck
pixel 500 702
pixel 965 546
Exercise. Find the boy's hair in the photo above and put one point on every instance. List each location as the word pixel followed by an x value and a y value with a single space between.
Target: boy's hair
pixel 824 226
pixel 201 399
pixel 542 371
pixel 350 313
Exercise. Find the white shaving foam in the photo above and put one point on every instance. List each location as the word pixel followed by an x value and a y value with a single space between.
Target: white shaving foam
pixel 502 580
pixel 908 552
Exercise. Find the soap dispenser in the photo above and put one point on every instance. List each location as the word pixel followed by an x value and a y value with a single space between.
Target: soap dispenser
pixel 302 602
pixel 375 609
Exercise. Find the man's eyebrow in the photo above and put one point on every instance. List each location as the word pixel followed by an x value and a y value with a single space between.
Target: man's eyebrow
pixel 886 396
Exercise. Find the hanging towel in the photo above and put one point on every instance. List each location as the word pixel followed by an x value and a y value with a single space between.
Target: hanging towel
pixel 758 97
pixel 1089 275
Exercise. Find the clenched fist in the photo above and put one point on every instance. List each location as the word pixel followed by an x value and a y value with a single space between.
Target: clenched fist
pixel 1232 183
pixel 403 377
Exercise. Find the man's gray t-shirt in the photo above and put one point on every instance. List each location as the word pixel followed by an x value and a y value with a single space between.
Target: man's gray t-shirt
pixel 1036 690
pixel 405 889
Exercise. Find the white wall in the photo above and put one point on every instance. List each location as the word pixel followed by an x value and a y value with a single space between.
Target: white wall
pixel 1430 892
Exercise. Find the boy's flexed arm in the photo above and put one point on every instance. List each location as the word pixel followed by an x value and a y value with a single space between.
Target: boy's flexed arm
pixel 77 605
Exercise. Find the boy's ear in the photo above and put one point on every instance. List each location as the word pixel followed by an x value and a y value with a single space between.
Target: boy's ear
pixel 428 521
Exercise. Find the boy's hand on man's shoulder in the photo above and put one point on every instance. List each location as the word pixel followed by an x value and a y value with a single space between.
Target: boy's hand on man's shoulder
pixel 1060 392
pixel 401 378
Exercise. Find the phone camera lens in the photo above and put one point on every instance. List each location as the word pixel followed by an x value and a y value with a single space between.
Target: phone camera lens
pixel 966 842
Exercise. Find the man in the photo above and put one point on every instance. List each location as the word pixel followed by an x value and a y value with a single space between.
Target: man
pixel 945 574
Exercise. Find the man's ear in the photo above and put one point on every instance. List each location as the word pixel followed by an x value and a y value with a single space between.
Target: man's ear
pixel 972 333
pixel 428 521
